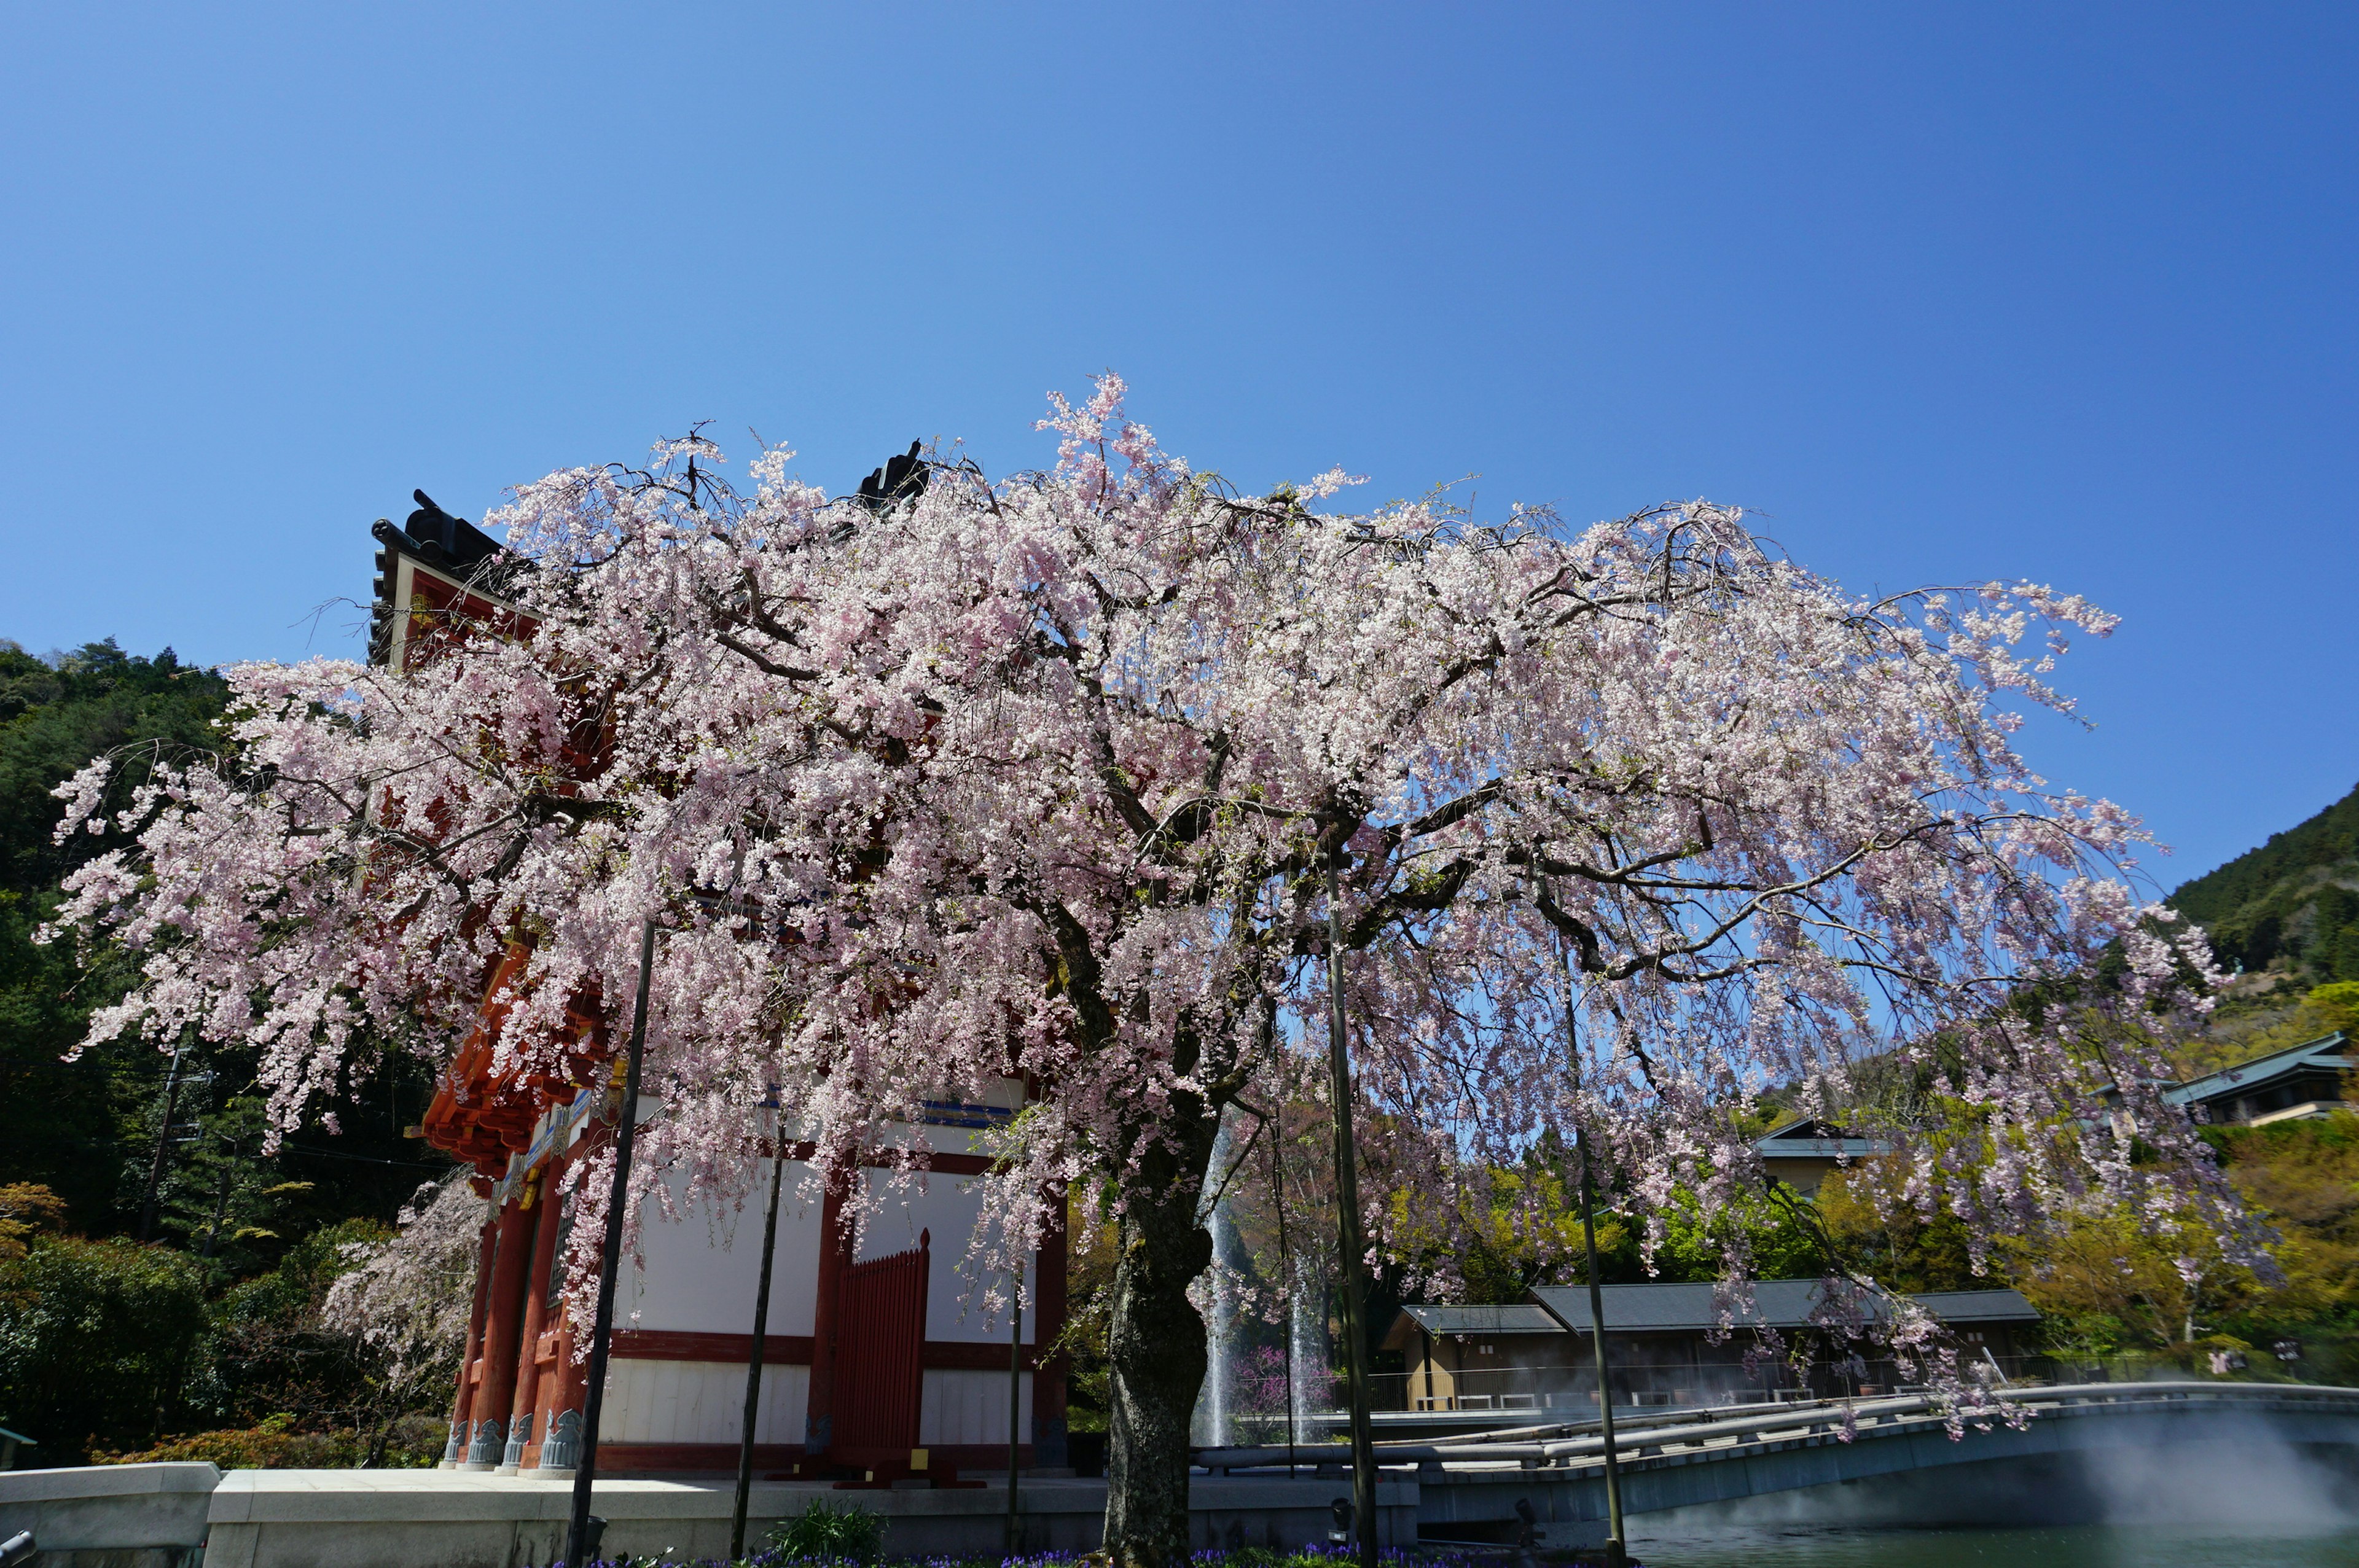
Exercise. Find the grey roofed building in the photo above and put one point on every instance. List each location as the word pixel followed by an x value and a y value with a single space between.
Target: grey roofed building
pixel 1450 1319
pixel 1777 1304
pixel 1800 1153
pixel 2297 1084
pixel 1660 1339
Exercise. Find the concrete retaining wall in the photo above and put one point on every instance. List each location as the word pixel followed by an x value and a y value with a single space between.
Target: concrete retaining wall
pixel 111 1516
pixel 441 1518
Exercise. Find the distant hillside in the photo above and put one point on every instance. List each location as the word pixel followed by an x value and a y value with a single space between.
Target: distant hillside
pixel 2293 898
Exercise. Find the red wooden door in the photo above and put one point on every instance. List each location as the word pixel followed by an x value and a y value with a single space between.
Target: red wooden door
pixel 880 1353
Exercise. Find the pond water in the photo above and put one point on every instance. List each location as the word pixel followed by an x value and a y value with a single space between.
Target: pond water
pixel 2095 1546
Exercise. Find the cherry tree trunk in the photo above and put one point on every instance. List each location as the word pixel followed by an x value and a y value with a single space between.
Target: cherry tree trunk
pixel 1157 1346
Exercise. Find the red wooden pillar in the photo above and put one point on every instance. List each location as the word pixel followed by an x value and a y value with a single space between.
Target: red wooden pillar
pixel 834 1261
pixel 496 1368
pixel 536 1313
pixel 1048 1323
pixel 454 1451
pixel 560 1393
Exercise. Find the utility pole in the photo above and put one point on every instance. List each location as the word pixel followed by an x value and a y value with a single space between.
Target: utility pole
pixel 754 1359
pixel 221 1199
pixel 577 1538
pixel 163 1141
pixel 1349 1247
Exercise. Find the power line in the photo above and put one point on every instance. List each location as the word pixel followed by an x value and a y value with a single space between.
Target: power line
pixel 360 1158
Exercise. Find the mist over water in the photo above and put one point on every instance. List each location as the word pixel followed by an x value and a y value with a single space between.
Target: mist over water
pixel 2085 1546
pixel 2242 1480
pixel 2240 1495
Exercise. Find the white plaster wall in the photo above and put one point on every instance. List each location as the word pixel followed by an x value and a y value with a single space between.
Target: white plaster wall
pixel 947 1207
pixel 969 1406
pixel 699 1272
pixel 704 1401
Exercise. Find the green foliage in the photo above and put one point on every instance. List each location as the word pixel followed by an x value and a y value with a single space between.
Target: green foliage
pixel 25 1208
pixel 2303 1177
pixel 2284 900
pixel 1783 1238
pixel 2336 1006
pixel 1090 1260
pixel 53 721
pixel 2329 839
pixel 94 1140
pixel 275 1443
pixel 110 1343
pixel 94 1338
pixel 266 1351
pixel 1908 1253
pixel 225 1195
pixel 825 1533
pixel 2253 1033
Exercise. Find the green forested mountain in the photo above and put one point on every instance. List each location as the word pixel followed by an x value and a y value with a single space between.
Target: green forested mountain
pixel 92 1137
pixel 2293 900
pixel 159 1277
pixel 70 1123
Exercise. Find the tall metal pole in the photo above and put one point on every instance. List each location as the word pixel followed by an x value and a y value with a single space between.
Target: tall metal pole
pixel 577 1538
pixel 1613 1538
pixel 1014 1403
pixel 1348 1245
pixel 753 1358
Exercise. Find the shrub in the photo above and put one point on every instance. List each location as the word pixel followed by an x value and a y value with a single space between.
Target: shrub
pixel 268 1350
pixel 828 1533
pixel 93 1338
pixel 273 1444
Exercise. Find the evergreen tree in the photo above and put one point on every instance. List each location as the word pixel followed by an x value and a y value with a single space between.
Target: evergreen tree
pixel 92 1112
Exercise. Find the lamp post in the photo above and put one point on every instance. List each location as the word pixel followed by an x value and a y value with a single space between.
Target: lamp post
pixel 577 1537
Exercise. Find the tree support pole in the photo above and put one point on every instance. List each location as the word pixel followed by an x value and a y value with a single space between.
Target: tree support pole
pixel 577 1537
pixel 1614 1537
pixel 1286 1264
pixel 1015 1402
pixel 1349 1246
pixel 753 1360
pixel 1615 1548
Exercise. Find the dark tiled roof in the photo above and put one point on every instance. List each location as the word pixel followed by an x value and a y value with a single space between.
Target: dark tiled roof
pixel 2245 1077
pixel 1481 1319
pixel 449 545
pixel 1666 1308
pixel 1979 1306
pixel 1817 1141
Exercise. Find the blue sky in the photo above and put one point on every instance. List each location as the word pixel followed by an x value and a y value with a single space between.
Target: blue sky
pixel 1946 293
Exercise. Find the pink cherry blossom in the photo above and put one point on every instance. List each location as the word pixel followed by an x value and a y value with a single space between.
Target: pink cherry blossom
pixel 1039 777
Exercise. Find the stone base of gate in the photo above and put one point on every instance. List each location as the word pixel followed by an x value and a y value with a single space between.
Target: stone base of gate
pixel 438 1519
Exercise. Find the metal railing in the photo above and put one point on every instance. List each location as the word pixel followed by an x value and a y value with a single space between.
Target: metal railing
pixel 1490 1390
pixel 1572 1444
